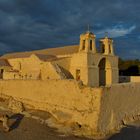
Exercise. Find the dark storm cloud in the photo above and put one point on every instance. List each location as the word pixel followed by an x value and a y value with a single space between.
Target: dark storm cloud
pixel 36 24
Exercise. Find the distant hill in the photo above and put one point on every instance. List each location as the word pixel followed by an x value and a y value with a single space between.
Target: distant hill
pixel 129 67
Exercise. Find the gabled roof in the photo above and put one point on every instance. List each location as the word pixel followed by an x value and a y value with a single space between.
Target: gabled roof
pixel 44 57
pixel 4 62
pixel 59 51
pixel 50 51
pixel 16 55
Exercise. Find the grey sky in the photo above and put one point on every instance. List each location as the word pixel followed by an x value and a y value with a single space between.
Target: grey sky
pixel 36 24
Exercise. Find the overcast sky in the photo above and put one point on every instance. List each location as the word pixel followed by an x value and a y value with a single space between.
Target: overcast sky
pixel 36 24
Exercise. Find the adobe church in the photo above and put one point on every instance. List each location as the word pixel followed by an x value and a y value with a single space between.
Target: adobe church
pixel 80 62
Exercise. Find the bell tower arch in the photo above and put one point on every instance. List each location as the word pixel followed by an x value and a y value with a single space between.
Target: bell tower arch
pixel 87 42
pixel 106 45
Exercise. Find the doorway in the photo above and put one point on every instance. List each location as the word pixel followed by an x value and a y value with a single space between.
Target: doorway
pixel 105 72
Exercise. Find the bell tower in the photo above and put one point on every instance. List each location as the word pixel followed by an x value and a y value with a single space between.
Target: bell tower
pixel 106 45
pixel 87 42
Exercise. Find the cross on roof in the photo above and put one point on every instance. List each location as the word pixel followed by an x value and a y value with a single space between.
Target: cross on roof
pixel 88 27
pixel 106 34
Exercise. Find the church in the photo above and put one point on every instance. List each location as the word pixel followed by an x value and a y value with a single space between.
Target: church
pixel 81 62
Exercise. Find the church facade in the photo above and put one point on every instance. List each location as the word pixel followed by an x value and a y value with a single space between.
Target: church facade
pixel 81 62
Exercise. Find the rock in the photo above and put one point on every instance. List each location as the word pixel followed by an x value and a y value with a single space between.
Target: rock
pixel 15 106
pixel 26 114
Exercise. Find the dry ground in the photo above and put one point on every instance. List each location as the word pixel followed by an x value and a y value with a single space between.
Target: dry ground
pixel 23 128
pixel 27 128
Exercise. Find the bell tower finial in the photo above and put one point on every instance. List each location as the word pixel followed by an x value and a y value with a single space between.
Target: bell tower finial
pixel 88 28
pixel 87 42
pixel 106 34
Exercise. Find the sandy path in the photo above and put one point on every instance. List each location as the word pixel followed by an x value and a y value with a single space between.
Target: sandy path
pixel 30 129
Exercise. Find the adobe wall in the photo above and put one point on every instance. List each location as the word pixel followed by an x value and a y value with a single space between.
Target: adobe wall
pixel 95 109
pixel 120 104
pixel 67 100
pixel 29 67
pixel 26 64
pixel 135 78
pixel 48 71
pixel 32 68
pixel 124 79
pixel 64 62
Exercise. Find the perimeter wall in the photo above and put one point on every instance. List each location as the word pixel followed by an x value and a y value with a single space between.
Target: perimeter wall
pixel 67 100
pixel 120 104
pixel 99 110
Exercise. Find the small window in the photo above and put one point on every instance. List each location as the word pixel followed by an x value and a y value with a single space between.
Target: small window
pixel 109 48
pixel 77 74
pixel 83 44
pixel 1 73
pixel 103 48
pixel 90 44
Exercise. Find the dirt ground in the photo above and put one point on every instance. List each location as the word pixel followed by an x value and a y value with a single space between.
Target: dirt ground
pixel 23 128
pixel 130 132
pixel 29 128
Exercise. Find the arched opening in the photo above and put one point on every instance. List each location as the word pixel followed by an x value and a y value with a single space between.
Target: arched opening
pixel 91 45
pixel 102 72
pixel 83 45
pixel 1 73
pixel 105 72
pixel 102 48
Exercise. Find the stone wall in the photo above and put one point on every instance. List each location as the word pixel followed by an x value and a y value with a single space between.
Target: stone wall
pixel 135 78
pixel 120 104
pixel 49 71
pixel 67 100
pixel 28 67
pixel 97 110
pixel 11 75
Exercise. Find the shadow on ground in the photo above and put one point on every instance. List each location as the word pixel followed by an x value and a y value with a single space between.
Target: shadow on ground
pixel 17 119
pixel 127 133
